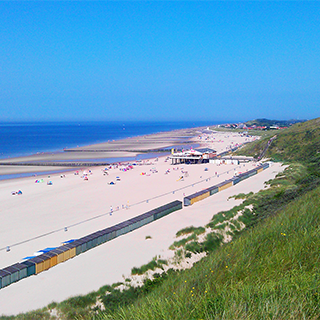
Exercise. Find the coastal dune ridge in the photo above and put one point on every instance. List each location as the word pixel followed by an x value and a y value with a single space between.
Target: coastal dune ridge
pixel 72 199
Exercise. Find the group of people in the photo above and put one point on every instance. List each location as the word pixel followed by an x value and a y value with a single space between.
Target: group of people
pixel 19 192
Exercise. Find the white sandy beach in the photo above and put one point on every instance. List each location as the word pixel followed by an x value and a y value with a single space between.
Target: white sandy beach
pixel 71 200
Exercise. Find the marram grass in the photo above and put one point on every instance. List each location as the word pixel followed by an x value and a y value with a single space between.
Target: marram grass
pixel 269 272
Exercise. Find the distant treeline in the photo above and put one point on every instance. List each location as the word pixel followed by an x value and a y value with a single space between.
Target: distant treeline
pixel 269 123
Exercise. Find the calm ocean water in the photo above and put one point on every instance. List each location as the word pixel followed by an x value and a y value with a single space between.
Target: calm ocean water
pixel 18 139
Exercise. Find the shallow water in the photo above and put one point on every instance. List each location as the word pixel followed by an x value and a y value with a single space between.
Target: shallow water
pixel 21 139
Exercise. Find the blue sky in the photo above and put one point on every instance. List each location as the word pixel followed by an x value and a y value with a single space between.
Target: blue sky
pixel 202 60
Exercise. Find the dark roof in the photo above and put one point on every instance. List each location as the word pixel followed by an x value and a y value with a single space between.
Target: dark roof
pixel 204 150
pixel 19 266
pixel 4 273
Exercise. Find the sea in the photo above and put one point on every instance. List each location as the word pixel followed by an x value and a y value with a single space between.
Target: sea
pixel 27 138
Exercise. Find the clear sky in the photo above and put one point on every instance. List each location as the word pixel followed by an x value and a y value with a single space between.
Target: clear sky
pixel 202 60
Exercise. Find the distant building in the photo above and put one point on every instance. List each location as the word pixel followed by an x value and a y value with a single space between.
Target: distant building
pixel 193 156
pixel 207 153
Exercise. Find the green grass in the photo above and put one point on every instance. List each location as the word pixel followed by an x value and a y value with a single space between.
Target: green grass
pixel 152 265
pixel 300 143
pixel 77 306
pixel 212 242
pixel 41 314
pixel 269 272
pixel 182 242
pixel 252 132
pixel 191 229
pixel 242 196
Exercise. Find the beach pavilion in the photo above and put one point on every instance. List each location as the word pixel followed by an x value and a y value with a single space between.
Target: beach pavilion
pixel 193 156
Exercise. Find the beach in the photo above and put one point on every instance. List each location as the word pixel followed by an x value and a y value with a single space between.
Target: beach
pixel 72 204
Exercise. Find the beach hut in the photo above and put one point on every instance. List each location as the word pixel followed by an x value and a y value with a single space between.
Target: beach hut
pixel 39 264
pixel 52 257
pixel 166 209
pixel 146 218
pixel 120 228
pixel 90 241
pixel 110 232
pixel 46 261
pixel 60 254
pixel 31 267
pixel 224 185
pixel 213 190
pixel 71 252
pixel 133 224
pixel 79 245
pixel 235 180
pixel 251 173
pixel 63 253
pixel 14 273
pixel 99 238
pixel 23 272
pixel 5 278
pixel 191 199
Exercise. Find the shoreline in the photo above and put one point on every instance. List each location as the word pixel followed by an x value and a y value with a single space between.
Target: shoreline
pixel 72 201
pixel 109 152
pixel 110 140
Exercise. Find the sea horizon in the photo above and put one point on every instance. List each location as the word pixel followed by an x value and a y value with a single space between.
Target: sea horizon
pixel 24 138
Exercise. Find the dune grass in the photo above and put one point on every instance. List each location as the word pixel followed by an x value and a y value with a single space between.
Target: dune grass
pixel 269 272
pixel 182 242
pixel 191 229
pixel 152 265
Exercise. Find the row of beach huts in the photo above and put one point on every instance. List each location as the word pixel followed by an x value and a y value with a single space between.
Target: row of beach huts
pixel 51 258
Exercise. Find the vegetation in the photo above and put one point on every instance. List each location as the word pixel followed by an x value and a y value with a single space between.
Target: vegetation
pixel 191 229
pixel 182 242
pixel 253 132
pixel 270 270
pixel 270 123
pixel 152 265
pixel 300 143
